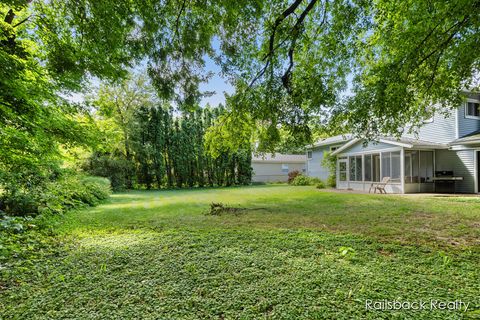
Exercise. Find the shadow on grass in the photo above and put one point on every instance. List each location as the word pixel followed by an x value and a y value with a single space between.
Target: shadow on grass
pixel 239 273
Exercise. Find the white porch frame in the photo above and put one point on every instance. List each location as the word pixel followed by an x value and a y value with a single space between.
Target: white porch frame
pixel 400 184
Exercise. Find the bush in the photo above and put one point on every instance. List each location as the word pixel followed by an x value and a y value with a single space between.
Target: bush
pixel 113 167
pixel 99 187
pixel 66 192
pixel 330 162
pixel 320 185
pixel 332 181
pixel 302 180
pixel 292 175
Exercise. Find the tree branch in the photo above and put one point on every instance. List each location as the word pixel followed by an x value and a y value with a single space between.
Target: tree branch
pixel 177 20
pixel 443 45
pixel 296 33
pixel 21 22
pixel 271 47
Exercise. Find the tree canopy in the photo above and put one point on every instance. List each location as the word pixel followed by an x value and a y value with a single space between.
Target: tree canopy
pixel 298 66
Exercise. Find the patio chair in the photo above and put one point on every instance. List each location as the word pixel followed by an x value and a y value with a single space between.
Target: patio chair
pixel 380 186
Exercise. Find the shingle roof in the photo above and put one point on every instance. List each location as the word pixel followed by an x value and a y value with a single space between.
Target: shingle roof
pixel 470 138
pixel 416 142
pixel 278 157
pixel 403 141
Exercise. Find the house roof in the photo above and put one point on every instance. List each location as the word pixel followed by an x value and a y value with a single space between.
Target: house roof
pixel 412 142
pixel 402 142
pixel 279 158
pixel 341 138
pixel 471 138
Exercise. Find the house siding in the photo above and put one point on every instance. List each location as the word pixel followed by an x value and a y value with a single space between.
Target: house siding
pixel 462 163
pixel 272 172
pixel 441 130
pixel 466 125
pixel 314 165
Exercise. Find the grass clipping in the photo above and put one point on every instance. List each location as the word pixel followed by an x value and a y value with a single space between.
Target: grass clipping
pixel 218 208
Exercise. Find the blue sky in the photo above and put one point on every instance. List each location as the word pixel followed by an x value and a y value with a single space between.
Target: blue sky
pixel 217 83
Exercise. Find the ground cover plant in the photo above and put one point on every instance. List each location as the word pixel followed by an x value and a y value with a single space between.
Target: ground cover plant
pixel 296 252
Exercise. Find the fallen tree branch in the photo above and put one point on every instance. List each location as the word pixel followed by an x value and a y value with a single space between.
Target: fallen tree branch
pixel 217 209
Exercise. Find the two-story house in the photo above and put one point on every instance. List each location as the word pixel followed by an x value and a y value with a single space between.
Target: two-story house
pixel 443 157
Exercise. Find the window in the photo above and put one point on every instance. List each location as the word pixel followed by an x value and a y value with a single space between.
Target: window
pixel 285 168
pixel 309 154
pixel 472 109
pixel 334 148
pixel 355 168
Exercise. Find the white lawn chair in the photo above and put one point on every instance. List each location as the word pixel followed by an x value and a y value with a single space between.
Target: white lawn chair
pixel 380 186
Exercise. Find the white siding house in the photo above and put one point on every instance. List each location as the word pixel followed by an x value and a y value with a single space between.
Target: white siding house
pixel 443 155
pixel 316 153
pixel 275 167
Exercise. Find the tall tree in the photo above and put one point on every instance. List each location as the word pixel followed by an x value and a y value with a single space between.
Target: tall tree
pixel 419 58
pixel 119 102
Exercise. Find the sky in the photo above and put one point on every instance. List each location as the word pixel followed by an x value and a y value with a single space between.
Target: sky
pixel 217 83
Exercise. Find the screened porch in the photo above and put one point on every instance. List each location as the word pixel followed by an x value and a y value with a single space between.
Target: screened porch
pixel 409 170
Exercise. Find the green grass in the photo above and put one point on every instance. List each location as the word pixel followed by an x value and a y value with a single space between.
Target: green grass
pixel 297 252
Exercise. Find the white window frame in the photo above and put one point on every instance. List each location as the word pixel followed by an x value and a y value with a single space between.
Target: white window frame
pixel 309 154
pixel 467 116
pixel 285 167
pixel 391 166
pixel 344 160
pixel 355 168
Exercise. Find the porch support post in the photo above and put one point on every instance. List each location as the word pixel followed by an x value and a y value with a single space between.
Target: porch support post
pixel 402 169
pixel 363 172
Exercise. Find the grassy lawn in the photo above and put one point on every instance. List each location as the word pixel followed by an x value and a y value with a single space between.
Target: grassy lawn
pixel 296 252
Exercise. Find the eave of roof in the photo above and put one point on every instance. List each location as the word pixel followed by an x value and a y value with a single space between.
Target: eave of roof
pixel 471 138
pixel 342 138
pixel 279 158
pixel 402 142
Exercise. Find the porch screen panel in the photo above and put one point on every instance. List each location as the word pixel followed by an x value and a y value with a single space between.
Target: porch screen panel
pixel 395 169
pixel 368 167
pixel 352 168
pixel 386 164
pixel 415 166
pixel 408 167
pixel 358 168
pixel 342 168
pixel 426 166
pixel 376 167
